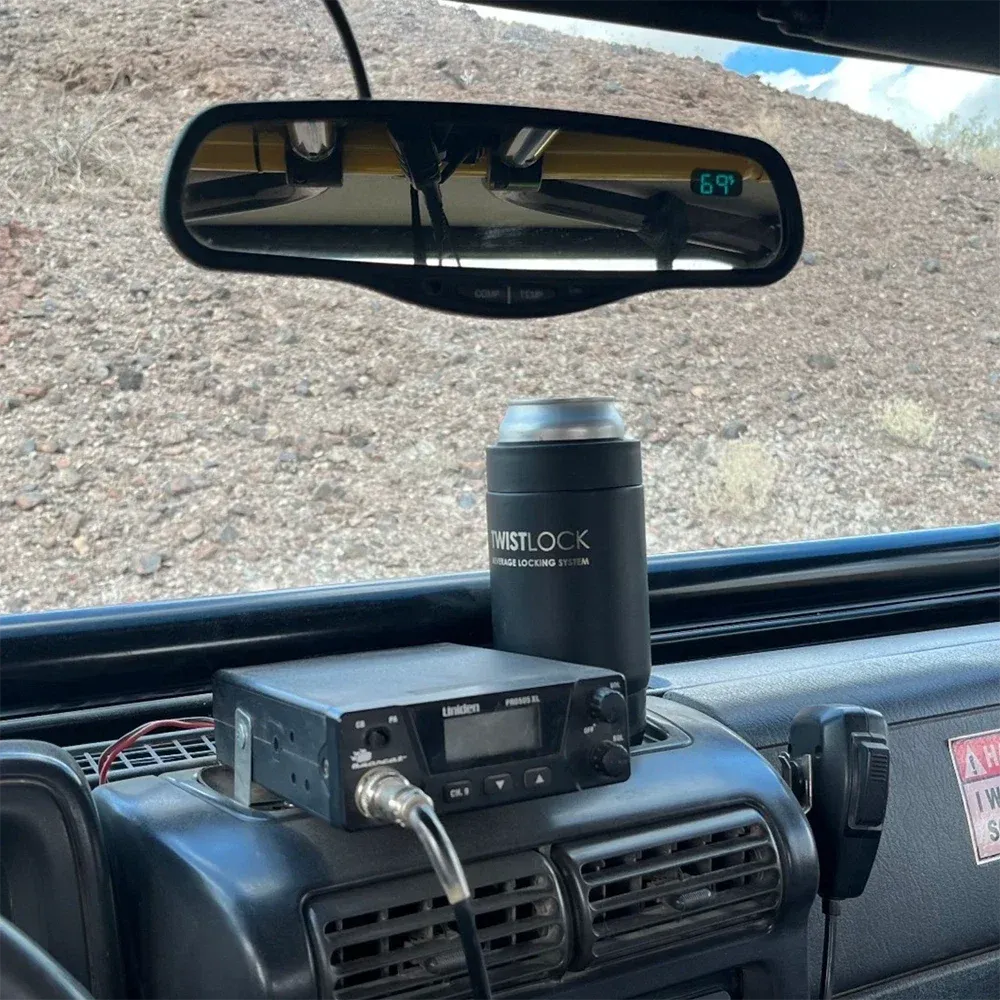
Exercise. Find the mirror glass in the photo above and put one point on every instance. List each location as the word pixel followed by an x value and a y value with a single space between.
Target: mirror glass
pixel 457 194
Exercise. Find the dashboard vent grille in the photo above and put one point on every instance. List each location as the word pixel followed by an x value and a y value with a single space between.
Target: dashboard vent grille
pixel 400 938
pixel 154 754
pixel 684 884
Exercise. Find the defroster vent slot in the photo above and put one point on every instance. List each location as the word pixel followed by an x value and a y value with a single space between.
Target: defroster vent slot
pixel 157 753
pixel 687 884
pixel 400 939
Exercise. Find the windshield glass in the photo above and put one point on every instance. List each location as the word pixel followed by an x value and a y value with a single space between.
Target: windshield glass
pixel 171 432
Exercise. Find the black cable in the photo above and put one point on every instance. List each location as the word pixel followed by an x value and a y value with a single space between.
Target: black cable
pixel 335 11
pixel 416 229
pixel 831 907
pixel 420 159
pixel 384 794
pixel 478 978
pixel 439 222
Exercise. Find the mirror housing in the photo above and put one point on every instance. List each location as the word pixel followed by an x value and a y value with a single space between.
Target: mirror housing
pixel 297 142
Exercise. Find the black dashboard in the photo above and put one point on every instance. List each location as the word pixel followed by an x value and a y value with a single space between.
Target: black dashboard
pixel 701 865
pixel 696 877
pixel 928 924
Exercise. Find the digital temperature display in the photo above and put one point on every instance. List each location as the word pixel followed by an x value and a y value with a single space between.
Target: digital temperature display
pixel 717 183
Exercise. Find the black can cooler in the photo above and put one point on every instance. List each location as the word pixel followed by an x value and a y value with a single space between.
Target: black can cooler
pixel 567 540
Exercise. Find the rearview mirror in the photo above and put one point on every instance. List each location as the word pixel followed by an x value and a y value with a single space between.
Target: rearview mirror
pixel 480 209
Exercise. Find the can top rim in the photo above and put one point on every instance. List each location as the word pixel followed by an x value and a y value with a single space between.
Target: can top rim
pixel 580 418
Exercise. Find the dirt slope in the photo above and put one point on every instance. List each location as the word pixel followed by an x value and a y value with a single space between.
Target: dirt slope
pixel 168 432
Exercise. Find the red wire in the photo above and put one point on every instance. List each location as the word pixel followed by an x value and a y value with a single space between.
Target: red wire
pixel 108 757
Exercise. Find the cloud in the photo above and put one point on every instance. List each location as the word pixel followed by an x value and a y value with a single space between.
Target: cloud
pixel 914 97
pixel 712 49
pixel 985 101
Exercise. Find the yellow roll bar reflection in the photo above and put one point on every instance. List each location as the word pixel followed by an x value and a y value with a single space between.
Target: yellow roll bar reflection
pixel 367 149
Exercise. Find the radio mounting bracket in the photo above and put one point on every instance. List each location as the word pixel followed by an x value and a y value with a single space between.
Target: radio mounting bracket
pixel 242 757
pixel 797 773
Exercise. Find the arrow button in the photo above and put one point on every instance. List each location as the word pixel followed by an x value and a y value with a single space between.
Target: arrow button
pixel 537 778
pixel 498 784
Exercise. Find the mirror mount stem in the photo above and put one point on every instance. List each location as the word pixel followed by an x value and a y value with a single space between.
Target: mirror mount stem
pixel 350 44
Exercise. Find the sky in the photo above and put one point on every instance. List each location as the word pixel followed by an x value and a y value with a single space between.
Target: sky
pixel 914 97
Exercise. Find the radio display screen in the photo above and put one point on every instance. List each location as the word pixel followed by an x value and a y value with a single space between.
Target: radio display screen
pixel 492 734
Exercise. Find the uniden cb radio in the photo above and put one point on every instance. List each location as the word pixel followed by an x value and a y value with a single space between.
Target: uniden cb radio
pixel 472 727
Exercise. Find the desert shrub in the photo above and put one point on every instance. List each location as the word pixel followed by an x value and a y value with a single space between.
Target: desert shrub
pixel 909 423
pixel 976 140
pixel 82 142
pixel 744 478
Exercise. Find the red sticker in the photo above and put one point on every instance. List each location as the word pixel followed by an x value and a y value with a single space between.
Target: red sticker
pixel 977 766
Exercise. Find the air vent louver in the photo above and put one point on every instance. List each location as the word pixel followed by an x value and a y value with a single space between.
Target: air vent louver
pixel 400 938
pixel 685 884
pixel 155 754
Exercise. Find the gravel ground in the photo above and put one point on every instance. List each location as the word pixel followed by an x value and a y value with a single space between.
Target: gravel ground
pixel 168 432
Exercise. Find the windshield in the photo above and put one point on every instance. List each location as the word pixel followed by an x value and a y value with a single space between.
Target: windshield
pixel 170 432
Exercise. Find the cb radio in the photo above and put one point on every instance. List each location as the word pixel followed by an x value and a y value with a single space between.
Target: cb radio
pixel 471 727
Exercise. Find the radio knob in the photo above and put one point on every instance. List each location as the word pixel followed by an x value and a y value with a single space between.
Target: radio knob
pixel 377 738
pixel 607 705
pixel 611 759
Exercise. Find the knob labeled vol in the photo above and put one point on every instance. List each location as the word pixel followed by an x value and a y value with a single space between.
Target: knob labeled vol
pixel 607 705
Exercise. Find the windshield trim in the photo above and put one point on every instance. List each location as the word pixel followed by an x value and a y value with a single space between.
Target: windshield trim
pixel 702 604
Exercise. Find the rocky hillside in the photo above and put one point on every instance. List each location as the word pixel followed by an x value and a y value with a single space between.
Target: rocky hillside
pixel 166 431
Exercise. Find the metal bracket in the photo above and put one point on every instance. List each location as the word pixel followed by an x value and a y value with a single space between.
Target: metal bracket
pixel 242 757
pixel 797 773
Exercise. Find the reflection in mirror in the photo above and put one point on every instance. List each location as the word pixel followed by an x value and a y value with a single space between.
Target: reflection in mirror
pixel 483 196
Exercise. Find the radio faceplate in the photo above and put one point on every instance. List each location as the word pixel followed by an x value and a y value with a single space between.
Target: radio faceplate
pixel 472 727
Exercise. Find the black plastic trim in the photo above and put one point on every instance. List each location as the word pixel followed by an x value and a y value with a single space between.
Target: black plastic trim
pixel 439 288
pixel 958 33
pixel 769 597
pixel 30 971
pixel 702 604
pixel 63 660
pixel 54 851
pixel 92 725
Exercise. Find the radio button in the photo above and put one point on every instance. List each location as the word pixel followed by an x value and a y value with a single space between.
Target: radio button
pixel 611 759
pixel 537 778
pixel 457 791
pixel 377 738
pixel 498 784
